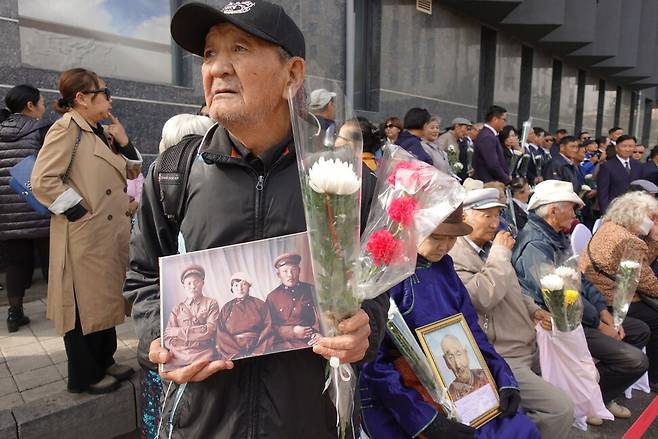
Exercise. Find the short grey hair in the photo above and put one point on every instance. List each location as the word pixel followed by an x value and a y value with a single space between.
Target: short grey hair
pixel 182 125
pixel 542 211
pixel 629 210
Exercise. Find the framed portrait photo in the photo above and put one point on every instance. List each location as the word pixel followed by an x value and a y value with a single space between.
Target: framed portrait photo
pixel 238 301
pixel 458 364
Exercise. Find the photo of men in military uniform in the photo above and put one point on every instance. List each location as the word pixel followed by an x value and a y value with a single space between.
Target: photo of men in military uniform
pixel 244 327
pixel 292 307
pixel 192 325
pixel 466 380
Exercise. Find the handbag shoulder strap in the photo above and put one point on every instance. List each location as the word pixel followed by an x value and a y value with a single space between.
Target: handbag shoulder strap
pixel 75 150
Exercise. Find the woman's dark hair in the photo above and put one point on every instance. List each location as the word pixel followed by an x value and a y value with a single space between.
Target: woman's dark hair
pixel 505 133
pixel 370 135
pixel 517 184
pixel 416 118
pixel 395 121
pixel 17 99
pixel 70 83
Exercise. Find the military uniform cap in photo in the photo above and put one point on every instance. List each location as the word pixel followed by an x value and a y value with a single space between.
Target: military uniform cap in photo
pixel 461 121
pixel 553 191
pixel 320 98
pixel 192 21
pixel 241 275
pixel 479 199
pixel 287 259
pixel 193 270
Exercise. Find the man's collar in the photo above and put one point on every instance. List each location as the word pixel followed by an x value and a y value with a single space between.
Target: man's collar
pixel 521 204
pixel 491 128
pixel 623 161
pixel 567 159
pixel 475 247
pixel 190 300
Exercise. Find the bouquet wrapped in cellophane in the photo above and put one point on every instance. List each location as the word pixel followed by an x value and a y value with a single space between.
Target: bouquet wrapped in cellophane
pixel 329 162
pixel 406 343
pixel 628 276
pixel 560 288
pixel 411 199
pixel 453 159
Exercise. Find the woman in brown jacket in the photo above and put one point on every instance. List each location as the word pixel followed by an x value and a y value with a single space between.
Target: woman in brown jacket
pixel 630 227
pixel 82 180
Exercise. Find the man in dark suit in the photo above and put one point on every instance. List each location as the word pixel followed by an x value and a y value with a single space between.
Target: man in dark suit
pixel 616 174
pixel 650 168
pixel 488 159
pixel 564 166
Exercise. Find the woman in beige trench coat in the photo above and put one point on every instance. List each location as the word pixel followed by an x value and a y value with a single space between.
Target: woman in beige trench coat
pixel 84 186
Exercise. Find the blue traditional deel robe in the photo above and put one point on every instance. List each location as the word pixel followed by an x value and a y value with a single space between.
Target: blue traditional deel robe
pixel 391 410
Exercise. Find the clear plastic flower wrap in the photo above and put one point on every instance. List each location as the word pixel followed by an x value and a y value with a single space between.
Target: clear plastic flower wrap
pixel 560 287
pixel 408 346
pixel 329 162
pixel 411 199
pixel 628 276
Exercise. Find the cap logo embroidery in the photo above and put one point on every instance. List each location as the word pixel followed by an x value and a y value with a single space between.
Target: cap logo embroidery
pixel 238 7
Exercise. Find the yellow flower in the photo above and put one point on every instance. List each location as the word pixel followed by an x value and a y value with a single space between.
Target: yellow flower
pixel 570 296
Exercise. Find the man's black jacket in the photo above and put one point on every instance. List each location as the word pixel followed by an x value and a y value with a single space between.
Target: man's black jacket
pixel 233 198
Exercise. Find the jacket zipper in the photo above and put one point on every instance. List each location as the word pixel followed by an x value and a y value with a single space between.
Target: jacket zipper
pixel 258 227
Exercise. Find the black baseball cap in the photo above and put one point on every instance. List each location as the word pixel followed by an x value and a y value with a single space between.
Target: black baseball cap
pixel 192 21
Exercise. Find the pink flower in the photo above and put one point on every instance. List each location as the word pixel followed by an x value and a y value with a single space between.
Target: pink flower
pixel 411 177
pixel 383 247
pixel 402 210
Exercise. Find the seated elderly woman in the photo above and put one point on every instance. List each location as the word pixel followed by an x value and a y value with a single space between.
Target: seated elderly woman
pixel 543 242
pixel 629 229
pixel 394 406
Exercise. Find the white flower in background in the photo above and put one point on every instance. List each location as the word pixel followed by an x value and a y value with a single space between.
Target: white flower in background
pixel 333 176
pixel 552 282
pixel 517 152
pixel 630 265
pixel 457 167
pixel 589 177
pixel 566 273
pixel 452 149
pixel 585 188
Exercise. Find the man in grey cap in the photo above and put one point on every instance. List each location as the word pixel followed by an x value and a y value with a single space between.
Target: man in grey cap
pixel 483 262
pixel 323 106
pixel 243 187
pixel 454 141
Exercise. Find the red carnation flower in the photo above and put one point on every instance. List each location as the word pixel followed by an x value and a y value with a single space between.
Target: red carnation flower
pixel 383 247
pixel 402 210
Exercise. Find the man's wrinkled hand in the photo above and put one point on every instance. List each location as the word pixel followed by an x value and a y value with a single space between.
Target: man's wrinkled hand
pixel 197 371
pixel 543 317
pixel 351 346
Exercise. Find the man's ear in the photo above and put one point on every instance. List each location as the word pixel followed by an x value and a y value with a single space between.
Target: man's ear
pixel 296 71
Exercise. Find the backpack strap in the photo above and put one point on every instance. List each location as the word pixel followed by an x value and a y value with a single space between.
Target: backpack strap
pixel 173 170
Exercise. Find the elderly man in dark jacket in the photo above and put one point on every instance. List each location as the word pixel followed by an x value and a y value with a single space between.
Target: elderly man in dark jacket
pixel 542 242
pixel 244 187
pixel 489 162
pixel 564 166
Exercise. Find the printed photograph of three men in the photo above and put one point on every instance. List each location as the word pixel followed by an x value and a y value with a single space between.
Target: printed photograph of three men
pixel 238 301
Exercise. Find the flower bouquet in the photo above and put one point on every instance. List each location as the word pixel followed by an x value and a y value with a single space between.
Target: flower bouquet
pixel 406 343
pixel 329 163
pixel 560 290
pixel 453 159
pixel 411 199
pixel 628 276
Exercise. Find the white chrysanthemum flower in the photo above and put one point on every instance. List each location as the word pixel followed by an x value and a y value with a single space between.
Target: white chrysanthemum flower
pixel 552 282
pixel 566 273
pixel 333 176
pixel 457 167
pixel 452 149
pixel 630 265
pixel 517 152
pixel 585 188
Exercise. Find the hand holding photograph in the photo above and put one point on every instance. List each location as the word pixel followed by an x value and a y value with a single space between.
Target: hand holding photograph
pixel 238 301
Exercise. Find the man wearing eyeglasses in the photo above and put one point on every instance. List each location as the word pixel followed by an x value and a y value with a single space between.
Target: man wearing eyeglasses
pixel 488 159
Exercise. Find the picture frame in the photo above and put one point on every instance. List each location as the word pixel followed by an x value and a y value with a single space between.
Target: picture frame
pixel 238 301
pixel 459 365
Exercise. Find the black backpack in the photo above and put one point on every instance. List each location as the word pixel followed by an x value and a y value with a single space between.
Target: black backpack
pixel 172 170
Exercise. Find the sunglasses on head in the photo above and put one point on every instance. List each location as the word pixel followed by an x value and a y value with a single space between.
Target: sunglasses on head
pixel 99 90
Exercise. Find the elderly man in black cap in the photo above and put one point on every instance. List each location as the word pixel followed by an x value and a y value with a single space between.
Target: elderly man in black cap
pixel 190 331
pixel 292 307
pixel 244 187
